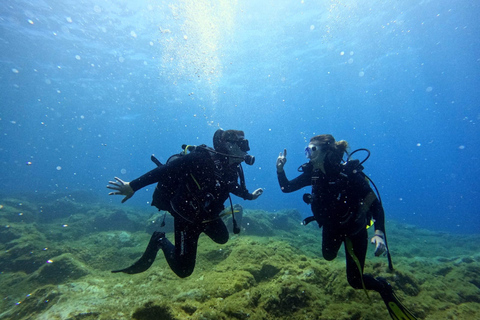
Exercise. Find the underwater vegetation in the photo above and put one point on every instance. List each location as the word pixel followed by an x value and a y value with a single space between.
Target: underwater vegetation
pixel 56 254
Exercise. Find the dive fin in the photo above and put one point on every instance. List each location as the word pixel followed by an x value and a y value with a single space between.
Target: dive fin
pixel 148 256
pixel 397 310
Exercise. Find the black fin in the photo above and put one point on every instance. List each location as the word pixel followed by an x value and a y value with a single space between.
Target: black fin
pixel 396 309
pixel 148 256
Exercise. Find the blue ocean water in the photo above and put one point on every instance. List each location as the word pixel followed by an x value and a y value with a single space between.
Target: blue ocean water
pixel 90 89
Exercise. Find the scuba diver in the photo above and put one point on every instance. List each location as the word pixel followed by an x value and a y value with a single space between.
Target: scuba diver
pixel 343 203
pixel 193 188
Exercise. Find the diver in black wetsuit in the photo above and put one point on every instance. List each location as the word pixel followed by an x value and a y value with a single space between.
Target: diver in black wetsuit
pixel 193 188
pixel 343 203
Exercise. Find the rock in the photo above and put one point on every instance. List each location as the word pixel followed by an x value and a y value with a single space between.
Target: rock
pixel 35 303
pixel 59 269
pixel 116 220
pixel 151 311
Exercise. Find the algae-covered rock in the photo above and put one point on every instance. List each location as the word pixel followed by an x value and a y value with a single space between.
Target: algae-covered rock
pixel 115 220
pixel 273 269
pixel 152 311
pixel 7 234
pixel 60 209
pixel 287 298
pixel 286 219
pixel 25 253
pixel 59 269
pixel 255 223
pixel 462 311
pixel 18 211
pixel 35 303
pixel 406 282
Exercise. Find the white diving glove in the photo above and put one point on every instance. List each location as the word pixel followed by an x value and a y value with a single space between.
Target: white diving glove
pixel 281 160
pixel 122 188
pixel 379 241
pixel 257 193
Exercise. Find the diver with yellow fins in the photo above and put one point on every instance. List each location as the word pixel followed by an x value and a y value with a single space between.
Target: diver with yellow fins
pixel 343 203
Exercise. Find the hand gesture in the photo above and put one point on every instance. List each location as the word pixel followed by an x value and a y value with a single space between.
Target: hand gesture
pixel 257 193
pixel 379 241
pixel 281 160
pixel 122 188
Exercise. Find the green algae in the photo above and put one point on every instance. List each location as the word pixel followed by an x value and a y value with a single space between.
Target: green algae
pixel 56 258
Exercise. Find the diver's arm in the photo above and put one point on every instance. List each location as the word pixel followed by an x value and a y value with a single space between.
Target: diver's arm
pixel 148 178
pixel 121 188
pixel 374 206
pixel 172 170
pixel 245 194
pixel 287 186
pixel 128 189
pixel 257 193
pixel 370 200
pixel 281 160
pixel 378 216
pixel 379 238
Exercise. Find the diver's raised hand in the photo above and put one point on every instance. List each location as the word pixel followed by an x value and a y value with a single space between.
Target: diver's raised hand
pixel 122 188
pixel 257 193
pixel 379 241
pixel 281 160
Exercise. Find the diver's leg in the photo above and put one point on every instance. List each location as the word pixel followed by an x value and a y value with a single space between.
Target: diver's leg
pixel 358 248
pixel 359 244
pixel 396 309
pixel 217 231
pixel 182 256
pixel 331 242
pixel 148 257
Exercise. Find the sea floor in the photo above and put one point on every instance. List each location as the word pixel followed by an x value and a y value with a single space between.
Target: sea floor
pixel 56 255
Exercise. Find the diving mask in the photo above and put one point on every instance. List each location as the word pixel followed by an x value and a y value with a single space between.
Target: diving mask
pixel 311 151
pixel 242 144
pixel 243 147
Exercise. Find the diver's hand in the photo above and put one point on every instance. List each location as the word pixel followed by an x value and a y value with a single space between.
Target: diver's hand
pixel 379 241
pixel 122 188
pixel 257 193
pixel 281 160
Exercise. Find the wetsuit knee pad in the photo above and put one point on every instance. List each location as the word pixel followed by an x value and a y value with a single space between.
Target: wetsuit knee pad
pixel 222 240
pixel 183 273
pixel 329 256
pixel 355 282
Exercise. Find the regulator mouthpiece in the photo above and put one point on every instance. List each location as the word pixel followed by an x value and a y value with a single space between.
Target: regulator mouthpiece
pixel 250 160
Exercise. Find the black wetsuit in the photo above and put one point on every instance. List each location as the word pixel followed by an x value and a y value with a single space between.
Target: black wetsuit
pixel 197 185
pixel 343 204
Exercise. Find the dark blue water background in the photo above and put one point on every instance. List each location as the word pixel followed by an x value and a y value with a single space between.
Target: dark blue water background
pixel 90 89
